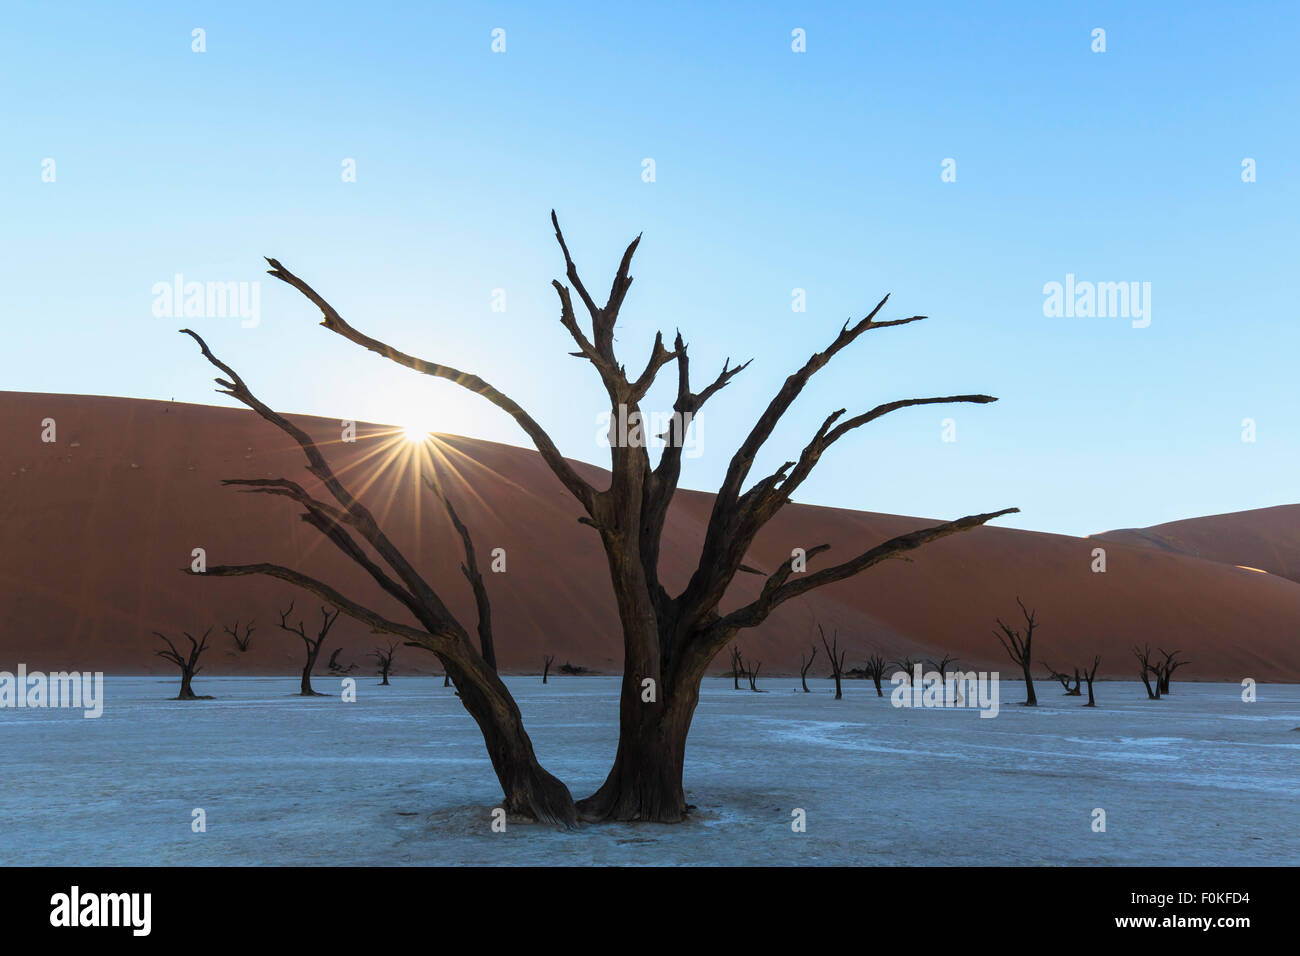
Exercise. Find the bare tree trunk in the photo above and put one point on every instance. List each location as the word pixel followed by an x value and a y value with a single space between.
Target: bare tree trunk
pixel 1090 675
pixel 305 688
pixel 645 782
pixel 805 666
pixel 1143 654
pixel 837 660
pixel 1019 647
pixel 546 666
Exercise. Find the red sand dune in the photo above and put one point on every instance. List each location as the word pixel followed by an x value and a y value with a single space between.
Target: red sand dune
pixel 98 526
pixel 1267 539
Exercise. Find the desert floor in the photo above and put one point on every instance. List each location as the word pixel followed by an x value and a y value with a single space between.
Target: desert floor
pixel 400 777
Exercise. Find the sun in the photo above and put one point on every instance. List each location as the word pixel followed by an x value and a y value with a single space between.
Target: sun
pixel 415 433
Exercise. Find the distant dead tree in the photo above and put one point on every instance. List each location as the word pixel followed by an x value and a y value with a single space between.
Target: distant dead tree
pixel 1149 670
pixel 942 666
pixel 1167 668
pixel 669 638
pixel 188 663
pixel 1090 676
pixel 1018 645
pixel 906 665
pixel 752 674
pixel 385 661
pixel 547 661
pixel 737 667
pixel 875 669
pixel 311 644
pixel 240 642
pixel 804 665
pixel 1064 679
pixel 335 667
pixel 837 659
pixel 446 678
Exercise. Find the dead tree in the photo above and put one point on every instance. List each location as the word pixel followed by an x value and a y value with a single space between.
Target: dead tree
pixel 240 642
pixel 875 669
pixel 1018 645
pixel 1090 676
pixel 942 666
pixel 737 667
pixel 804 666
pixel 671 639
pixel 1064 680
pixel 546 666
pixel 188 663
pixel 1149 670
pixel 311 644
pixel 837 659
pixel 1167 667
pixel 752 674
pixel 335 667
pixel 385 661
pixel 907 665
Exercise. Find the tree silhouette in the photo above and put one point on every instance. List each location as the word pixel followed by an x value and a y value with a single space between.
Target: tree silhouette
pixel 1166 668
pixel 240 642
pixel 670 639
pixel 875 669
pixel 1149 669
pixel 188 663
pixel 837 660
pixel 804 666
pixel 1018 645
pixel 385 661
pixel 312 645
pixel 1090 675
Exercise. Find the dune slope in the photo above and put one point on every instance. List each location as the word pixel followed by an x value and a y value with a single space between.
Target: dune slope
pixel 96 528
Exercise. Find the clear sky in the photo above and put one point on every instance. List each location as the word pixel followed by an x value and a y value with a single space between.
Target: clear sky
pixel 774 171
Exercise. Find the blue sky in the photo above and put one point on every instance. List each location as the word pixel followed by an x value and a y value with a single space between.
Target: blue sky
pixel 774 170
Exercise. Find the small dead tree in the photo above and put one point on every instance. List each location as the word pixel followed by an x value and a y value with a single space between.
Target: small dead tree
pixel 907 665
pixel 752 674
pixel 335 667
pixel 1019 646
pixel 1090 676
pixel 875 669
pixel 942 666
pixel 312 645
pixel 547 661
pixel 240 642
pixel 737 667
pixel 1167 668
pixel 837 659
pixel 188 663
pixel 385 661
pixel 1064 680
pixel 1149 670
pixel 804 666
